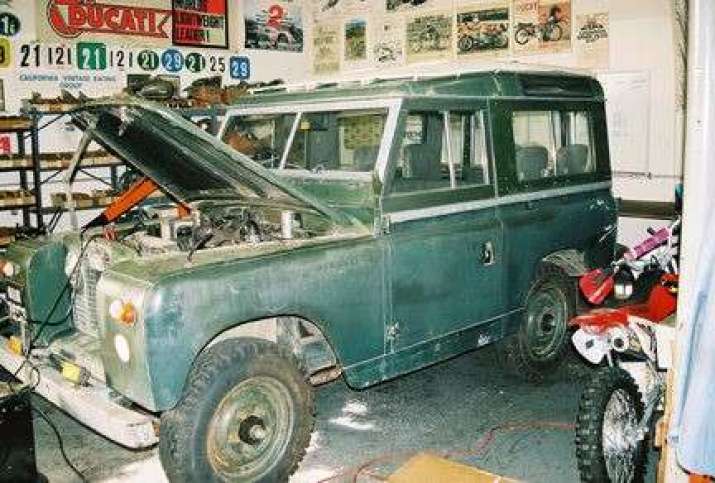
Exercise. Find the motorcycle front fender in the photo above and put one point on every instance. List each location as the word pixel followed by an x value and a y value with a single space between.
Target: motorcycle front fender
pixel 592 347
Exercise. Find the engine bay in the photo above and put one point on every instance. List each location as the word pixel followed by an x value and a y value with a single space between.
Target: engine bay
pixel 164 228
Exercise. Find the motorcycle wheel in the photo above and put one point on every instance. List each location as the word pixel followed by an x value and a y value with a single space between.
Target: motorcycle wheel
pixel 607 445
pixel 555 33
pixel 522 36
pixel 502 41
pixel 465 43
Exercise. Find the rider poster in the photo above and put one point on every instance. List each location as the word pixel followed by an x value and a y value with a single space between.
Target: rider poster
pixel 483 30
pixel 355 44
pixel 325 50
pixel 273 25
pixel 388 47
pixel 591 40
pixel 429 37
pixel 541 26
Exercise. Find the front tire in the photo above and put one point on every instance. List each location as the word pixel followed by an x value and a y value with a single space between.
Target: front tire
pixel 522 36
pixel 246 415
pixel 542 340
pixel 610 410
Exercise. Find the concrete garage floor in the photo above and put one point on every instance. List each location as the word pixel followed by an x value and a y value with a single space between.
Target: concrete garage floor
pixel 448 408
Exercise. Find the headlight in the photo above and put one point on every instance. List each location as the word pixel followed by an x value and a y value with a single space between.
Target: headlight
pixel 623 284
pixel 7 268
pixel 123 311
pixel 71 261
pixel 121 346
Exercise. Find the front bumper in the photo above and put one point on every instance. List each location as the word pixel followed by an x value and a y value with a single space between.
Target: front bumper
pixel 91 405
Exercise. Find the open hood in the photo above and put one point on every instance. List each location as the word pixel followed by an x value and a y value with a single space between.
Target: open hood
pixel 188 163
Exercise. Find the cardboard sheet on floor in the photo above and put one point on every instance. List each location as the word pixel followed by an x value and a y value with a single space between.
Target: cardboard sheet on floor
pixel 428 468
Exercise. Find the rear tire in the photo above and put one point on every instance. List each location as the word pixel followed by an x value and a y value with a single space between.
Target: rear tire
pixel 246 415
pixel 465 43
pixel 610 405
pixel 542 340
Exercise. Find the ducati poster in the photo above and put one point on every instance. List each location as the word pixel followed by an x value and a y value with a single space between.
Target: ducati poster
pixel 131 23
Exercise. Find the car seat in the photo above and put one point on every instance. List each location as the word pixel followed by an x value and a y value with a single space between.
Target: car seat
pixel 531 162
pixel 572 159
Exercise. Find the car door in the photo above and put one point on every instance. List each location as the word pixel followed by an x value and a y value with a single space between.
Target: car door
pixel 445 240
pixel 554 185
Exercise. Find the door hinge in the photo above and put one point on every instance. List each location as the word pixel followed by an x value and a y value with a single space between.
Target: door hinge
pixel 384 225
pixel 392 331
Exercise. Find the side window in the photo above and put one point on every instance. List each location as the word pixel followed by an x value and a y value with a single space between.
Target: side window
pixel 442 150
pixel 333 140
pixel 551 144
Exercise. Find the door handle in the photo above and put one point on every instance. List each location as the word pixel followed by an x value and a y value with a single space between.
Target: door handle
pixel 487 253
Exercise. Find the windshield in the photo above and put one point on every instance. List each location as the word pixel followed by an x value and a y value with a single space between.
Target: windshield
pixel 340 140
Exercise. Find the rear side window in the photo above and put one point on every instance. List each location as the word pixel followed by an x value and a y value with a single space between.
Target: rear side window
pixel 442 150
pixel 551 144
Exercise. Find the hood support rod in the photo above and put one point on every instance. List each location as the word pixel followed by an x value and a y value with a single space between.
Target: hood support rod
pixel 72 172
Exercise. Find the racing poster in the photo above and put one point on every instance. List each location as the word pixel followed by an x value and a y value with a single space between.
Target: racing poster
pixel 483 30
pixel 326 48
pixel 591 40
pixel 388 47
pixel 429 37
pixel 541 26
pixel 200 23
pixel 272 25
pixel 355 44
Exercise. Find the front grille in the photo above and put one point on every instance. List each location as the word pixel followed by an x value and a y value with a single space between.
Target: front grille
pixel 85 300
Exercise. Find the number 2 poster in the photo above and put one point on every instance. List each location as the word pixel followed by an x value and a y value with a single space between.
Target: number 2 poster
pixel 272 25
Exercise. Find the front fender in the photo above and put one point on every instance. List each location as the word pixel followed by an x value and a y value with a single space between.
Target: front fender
pixel 340 290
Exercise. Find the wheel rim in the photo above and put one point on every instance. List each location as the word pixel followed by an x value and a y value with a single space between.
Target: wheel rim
pixel 251 428
pixel 619 437
pixel 546 313
pixel 465 44
pixel 522 37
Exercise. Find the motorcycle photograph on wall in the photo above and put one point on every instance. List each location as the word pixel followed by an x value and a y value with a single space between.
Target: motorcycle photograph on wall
pixel 549 31
pixel 482 30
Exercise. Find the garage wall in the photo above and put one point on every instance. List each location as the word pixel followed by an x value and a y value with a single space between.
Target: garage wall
pixel 637 63
pixel 36 62
pixel 639 67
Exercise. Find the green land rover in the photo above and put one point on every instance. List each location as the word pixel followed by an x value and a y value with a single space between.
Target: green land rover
pixel 361 231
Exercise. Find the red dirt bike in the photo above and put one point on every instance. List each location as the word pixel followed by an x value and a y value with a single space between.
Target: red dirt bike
pixel 618 407
pixel 631 344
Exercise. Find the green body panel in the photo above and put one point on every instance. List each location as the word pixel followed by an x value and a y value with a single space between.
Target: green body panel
pixel 474 85
pixel 526 242
pixel 40 266
pixel 437 274
pixel 338 286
